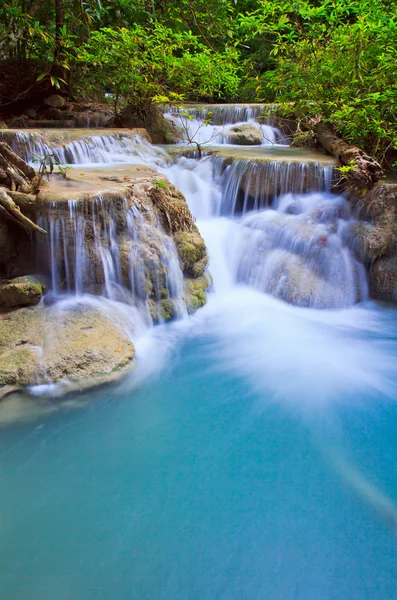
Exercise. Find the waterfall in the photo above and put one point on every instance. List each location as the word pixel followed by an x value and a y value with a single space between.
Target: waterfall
pixel 112 147
pixel 249 185
pixel 211 125
pixel 105 245
pixel 276 227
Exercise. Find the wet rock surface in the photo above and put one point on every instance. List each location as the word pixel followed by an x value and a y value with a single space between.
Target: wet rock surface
pixel 48 344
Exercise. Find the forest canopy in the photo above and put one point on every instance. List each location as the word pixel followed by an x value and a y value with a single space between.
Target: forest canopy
pixel 332 59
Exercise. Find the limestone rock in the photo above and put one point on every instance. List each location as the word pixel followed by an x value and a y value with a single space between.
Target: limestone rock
pixel 47 344
pixel 383 279
pixel 245 135
pixel 56 101
pixel 23 291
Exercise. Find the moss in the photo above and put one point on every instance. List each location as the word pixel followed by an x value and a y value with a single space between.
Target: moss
pixel 195 292
pixel 305 139
pixel 16 294
pixel 191 251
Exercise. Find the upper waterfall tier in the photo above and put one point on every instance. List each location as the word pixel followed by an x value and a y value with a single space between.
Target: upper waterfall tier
pixel 231 124
pixel 85 147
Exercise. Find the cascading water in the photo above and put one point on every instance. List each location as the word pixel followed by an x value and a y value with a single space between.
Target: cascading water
pixel 257 461
pixel 211 126
pixel 106 245
pixel 298 250
pixel 113 147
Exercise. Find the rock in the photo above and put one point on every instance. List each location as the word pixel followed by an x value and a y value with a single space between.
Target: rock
pixel 46 344
pixel 56 101
pixel 160 130
pixel 3 125
pixel 192 252
pixel 305 139
pixel 60 115
pixel 31 113
pixel 245 135
pixel 383 279
pixel 22 291
pixel 196 292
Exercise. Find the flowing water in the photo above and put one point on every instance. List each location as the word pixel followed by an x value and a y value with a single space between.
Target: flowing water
pixel 252 453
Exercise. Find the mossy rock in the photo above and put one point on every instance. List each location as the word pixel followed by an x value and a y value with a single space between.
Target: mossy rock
pixel 192 252
pixel 196 292
pixel 22 291
pixel 305 139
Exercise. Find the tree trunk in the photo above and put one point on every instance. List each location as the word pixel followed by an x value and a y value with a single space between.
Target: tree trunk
pixel 59 21
pixel 365 169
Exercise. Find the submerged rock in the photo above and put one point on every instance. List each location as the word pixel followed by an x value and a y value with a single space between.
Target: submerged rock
pixel 47 344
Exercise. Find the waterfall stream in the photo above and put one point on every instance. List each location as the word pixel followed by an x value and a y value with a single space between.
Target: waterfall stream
pixel 251 455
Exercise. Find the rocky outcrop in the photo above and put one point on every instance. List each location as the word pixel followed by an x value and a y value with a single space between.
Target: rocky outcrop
pixel 48 344
pixel 383 279
pixel 376 238
pixel 56 101
pixel 160 130
pixel 244 135
pixel 132 236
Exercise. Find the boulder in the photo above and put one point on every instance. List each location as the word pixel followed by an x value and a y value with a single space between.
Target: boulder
pixel 244 135
pixel 56 101
pixel 383 279
pixel 47 344
pixel 31 113
pixel 60 115
pixel 22 291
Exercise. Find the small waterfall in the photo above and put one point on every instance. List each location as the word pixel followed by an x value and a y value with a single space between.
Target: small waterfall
pixel 115 147
pixel 276 227
pixel 211 125
pixel 248 185
pixel 105 245
pixel 225 114
pixel 298 253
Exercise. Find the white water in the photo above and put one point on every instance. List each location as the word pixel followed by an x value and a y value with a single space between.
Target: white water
pixel 90 150
pixel 212 127
pixel 108 246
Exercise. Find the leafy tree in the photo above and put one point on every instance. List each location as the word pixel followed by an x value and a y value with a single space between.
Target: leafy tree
pixel 138 66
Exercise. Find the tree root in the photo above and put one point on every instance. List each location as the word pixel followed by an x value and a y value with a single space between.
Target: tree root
pixel 15 213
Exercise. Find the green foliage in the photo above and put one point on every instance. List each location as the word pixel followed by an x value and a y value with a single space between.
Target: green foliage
pixel 47 164
pixel 331 58
pixel 141 65
pixel 336 59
